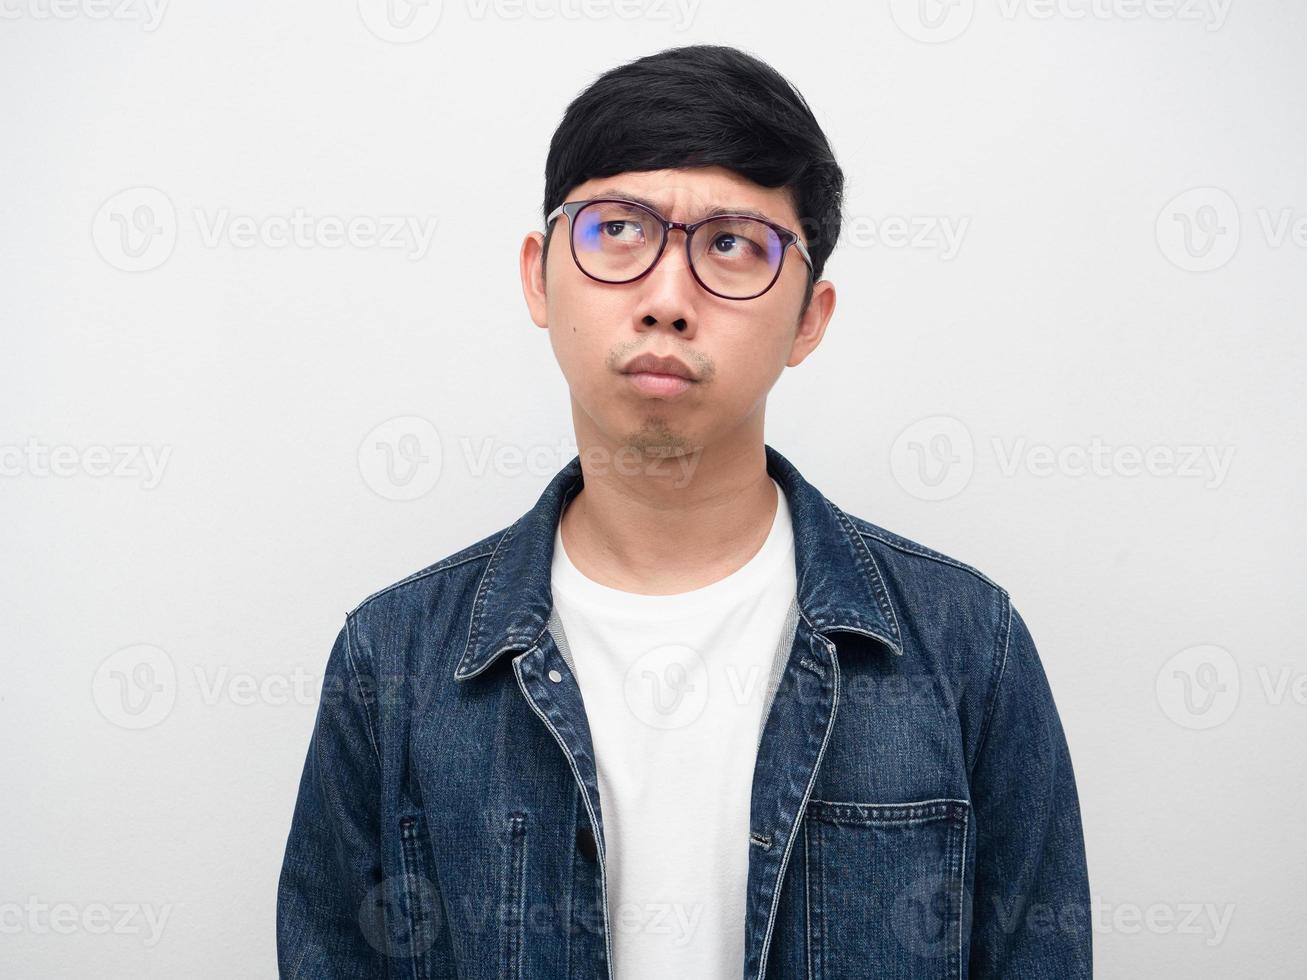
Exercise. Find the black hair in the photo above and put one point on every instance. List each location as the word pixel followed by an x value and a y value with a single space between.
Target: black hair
pixel 702 105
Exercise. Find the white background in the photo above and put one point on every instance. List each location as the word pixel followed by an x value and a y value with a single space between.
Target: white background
pixel 1086 302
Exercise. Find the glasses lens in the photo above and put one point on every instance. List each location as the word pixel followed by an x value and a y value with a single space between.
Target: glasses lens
pixel 615 241
pixel 736 257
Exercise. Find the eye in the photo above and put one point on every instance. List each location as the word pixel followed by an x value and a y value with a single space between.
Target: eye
pixel 620 230
pixel 734 245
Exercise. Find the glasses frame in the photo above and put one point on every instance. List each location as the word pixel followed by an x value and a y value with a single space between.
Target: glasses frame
pixel 787 237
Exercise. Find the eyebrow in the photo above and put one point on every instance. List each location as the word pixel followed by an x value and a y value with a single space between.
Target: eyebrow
pixel 710 213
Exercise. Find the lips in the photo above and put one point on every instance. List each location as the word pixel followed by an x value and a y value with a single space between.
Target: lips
pixel 653 364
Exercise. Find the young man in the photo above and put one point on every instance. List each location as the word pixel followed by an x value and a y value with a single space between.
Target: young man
pixel 686 717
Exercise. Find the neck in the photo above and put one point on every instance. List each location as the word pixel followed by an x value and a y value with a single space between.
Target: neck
pixel 661 525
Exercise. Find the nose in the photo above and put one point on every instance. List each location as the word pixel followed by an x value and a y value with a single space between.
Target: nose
pixel 668 290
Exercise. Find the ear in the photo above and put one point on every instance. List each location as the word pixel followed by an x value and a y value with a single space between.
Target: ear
pixel 532 269
pixel 812 325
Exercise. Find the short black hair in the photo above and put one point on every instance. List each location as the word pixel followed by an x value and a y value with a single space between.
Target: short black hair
pixel 702 105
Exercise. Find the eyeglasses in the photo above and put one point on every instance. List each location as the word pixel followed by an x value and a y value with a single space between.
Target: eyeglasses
pixel 734 256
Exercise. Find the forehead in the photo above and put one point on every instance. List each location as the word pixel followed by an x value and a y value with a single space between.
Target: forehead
pixel 693 193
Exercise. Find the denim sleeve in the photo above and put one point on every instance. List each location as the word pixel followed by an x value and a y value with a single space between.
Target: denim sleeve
pixel 327 893
pixel 1030 904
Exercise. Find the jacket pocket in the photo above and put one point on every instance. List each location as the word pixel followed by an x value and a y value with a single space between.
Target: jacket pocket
pixel 885 889
pixel 514 899
pixel 420 904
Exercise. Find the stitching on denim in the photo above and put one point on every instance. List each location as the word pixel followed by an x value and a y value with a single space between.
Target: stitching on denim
pixel 367 713
pixel 514 946
pixel 865 556
pixel 453 561
pixel 1005 634
pixel 478 604
pixel 807 897
pixel 962 891
pixel 866 530
pixel 951 865
pixel 585 797
pixel 872 814
pixel 410 860
pixel 807 792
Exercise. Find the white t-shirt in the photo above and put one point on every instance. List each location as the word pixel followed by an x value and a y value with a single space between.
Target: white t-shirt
pixel 675 690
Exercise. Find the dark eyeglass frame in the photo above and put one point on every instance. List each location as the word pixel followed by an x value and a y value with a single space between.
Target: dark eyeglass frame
pixel 787 238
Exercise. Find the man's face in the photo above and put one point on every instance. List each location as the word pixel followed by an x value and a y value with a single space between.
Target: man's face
pixel 734 349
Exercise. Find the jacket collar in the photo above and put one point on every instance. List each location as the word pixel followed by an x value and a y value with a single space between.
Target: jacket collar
pixel 839 583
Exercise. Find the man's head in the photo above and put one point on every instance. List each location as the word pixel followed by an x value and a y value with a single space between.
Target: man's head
pixel 688 130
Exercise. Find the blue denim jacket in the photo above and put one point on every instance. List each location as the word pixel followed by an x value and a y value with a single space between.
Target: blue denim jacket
pixel 914 811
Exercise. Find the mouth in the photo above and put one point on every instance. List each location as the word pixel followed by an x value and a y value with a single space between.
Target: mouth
pixel 658 385
pixel 658 377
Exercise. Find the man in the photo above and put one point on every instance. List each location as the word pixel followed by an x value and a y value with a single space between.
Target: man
pixel 686 717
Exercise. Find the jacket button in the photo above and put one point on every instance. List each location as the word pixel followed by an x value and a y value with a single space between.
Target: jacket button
pixel 585 843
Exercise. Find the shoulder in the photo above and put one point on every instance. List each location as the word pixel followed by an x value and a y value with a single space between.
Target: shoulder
pixel 940 595
pixel 919 558
pixel 419 588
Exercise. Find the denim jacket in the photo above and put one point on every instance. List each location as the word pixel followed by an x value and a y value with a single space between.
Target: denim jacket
pixel 914 813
